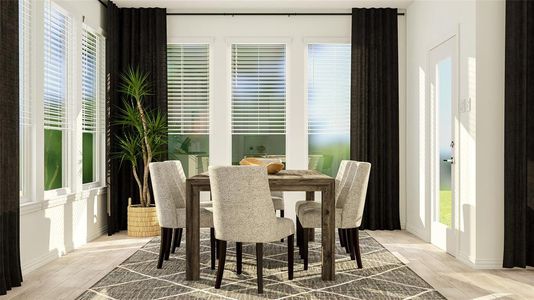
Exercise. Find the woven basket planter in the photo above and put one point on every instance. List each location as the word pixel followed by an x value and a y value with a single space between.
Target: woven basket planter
pixel 142 221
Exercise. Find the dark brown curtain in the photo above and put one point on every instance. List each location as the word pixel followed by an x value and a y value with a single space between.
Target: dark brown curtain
pixel 519 135
pixel 375 112
pixel 10 271
pixel 136 37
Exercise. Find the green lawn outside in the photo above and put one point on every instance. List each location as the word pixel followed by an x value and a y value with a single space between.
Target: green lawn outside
pixel 445 207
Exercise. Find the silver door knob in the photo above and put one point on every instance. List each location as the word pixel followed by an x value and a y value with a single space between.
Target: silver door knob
pixel 450 160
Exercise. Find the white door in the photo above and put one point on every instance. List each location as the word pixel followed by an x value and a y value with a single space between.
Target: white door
pixel 443 75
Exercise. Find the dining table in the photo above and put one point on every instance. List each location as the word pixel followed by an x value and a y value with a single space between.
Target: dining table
pixel 309 181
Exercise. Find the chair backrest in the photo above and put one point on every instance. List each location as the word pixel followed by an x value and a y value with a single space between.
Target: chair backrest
pixel 351 197
pixel 268 161
pixel 242 207
pixel 168 183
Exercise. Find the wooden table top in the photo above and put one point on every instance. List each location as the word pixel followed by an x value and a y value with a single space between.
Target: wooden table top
pixel 290 175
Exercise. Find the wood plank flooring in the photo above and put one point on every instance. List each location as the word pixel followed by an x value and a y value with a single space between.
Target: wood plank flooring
pixel 451 277
pixel 69 276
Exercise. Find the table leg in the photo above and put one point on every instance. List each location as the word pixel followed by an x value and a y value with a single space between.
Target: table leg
pixel 192 244
pixel 328 232
pixel 310 196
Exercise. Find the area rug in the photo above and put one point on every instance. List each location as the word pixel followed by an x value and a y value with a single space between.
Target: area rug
pixel 383 275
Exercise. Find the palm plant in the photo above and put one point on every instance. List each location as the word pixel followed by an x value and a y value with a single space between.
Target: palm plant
pixel 146 130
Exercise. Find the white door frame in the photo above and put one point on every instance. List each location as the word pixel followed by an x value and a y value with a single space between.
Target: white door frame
pixel 442 236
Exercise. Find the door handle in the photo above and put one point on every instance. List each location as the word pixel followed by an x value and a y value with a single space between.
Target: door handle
pixel 450 160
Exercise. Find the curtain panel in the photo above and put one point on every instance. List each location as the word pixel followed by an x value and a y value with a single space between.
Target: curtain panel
pixel 10 269
pixel 519 135
pixel 136 37
pixel 374 132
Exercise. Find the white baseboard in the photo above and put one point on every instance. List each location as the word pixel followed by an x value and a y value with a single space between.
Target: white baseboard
pixel 38 262
pixel 479 263
pixel 417 232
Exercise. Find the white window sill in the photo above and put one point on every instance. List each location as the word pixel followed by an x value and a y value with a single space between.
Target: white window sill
pixel 60 199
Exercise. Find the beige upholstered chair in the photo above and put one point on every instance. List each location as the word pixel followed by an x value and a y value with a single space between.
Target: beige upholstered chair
pixel 277 196
pixel 168 182
pixel 351 189
pixel 243 212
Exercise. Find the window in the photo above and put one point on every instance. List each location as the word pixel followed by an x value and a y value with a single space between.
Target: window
pixel 92 82
pixel 328 106
pixel 25 96
pixel 188 105
pixel 57 39
pixel 258 100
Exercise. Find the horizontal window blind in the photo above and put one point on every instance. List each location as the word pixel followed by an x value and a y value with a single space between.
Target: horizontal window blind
pixel 188 88
pixel 329 88
pixel 25 9
pixel 258 89
pixel 57 50
pixel 90 81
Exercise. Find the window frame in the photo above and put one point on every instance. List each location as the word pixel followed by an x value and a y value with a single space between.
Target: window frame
pixel 68 131
pixel 99 134
pixel 288 43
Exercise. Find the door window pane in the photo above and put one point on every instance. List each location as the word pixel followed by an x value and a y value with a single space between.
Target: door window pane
pixel 444 92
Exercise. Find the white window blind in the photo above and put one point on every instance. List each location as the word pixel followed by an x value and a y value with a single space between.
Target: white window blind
pixel 24 64
pixel 57 50
pixel 329 88
pixel 258 89
pixel 188 88
pixel 93 92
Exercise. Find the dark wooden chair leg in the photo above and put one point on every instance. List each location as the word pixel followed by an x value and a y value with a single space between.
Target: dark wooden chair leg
pixel 290 254
pixel 222 260
pixel 281 216
pixel 212 248
pixel 299 236
pixel 356 244
pixel 341 237
pixel 239 257
pixel 304 247
pixel 350 243
pixel 162 246
pixel 180 231
pixel 347 237
pixel 176 239
pixel 173 241
pixel 168 242
pixel 259 266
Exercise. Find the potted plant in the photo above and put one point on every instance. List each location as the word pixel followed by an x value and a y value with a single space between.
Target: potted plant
pixel 143 138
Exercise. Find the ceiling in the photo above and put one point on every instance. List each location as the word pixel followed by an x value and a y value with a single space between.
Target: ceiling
pixel 256 5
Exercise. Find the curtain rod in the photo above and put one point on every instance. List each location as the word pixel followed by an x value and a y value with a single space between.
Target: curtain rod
pixel 253 14
pixel 264 14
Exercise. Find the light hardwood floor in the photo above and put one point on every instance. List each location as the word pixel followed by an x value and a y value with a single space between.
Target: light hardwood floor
pixel 69 276
pixel 451 277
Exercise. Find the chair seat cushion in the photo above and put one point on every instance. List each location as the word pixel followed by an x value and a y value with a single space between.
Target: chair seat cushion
pixel 299 203
pixel 278 203
pixel 309 214
pixel 206 217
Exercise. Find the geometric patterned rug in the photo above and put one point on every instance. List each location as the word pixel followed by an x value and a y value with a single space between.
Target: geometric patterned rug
pixel 383 276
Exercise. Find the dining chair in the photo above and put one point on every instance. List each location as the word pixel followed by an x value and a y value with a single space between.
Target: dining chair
pixel 341 177
pixel 243 212
pixel 350 202
pixel 277 196
pixel 168 182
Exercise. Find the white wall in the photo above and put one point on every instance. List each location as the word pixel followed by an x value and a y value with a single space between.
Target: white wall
pixel 296 32
pixel 479 27
pixel 51 226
